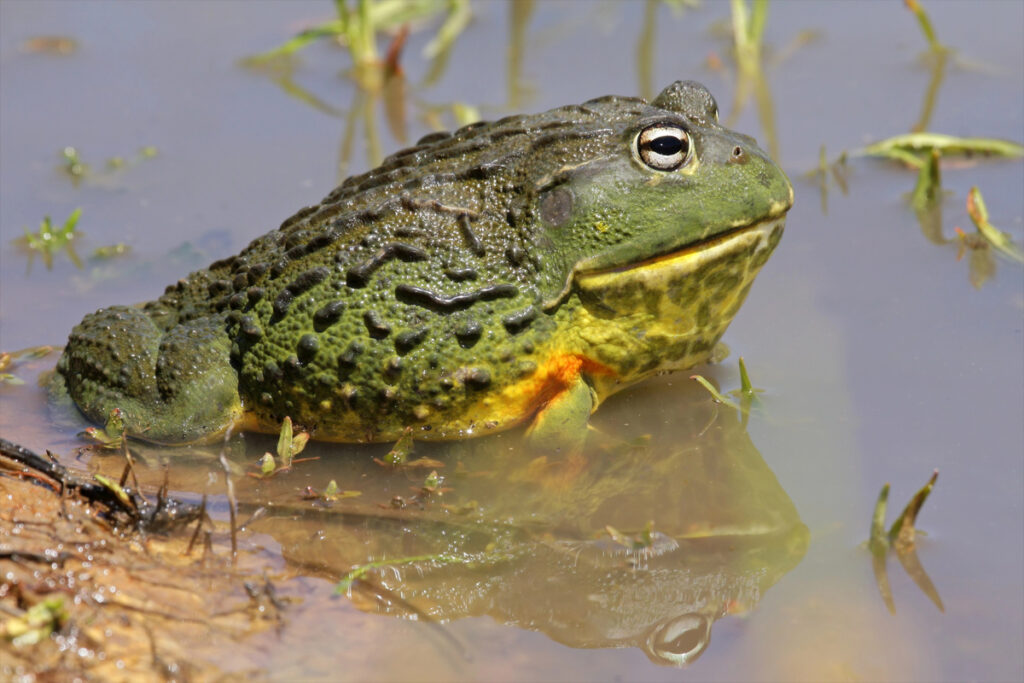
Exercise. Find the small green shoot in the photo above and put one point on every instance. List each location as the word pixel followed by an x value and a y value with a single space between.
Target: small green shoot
pixel 398 456
pixel 345 585
pixel 36 623
pixel 900 537
pixel 433 486
pixel 902 530
pixel 926 25
pixel 112 435
pixel 455 23
pixel 748 22
pixel 715 394
pixel 399 453
pixel 288 444
pixel 329 495
pixel 997 238
pixel 433 481
pixel 748 28
pixel 746 390
pixel 49 239
pixel 356 28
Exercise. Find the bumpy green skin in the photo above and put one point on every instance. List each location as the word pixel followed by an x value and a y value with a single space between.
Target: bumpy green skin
pixel 419 292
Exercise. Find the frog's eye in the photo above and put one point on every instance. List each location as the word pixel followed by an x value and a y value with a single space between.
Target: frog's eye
pixel 663 147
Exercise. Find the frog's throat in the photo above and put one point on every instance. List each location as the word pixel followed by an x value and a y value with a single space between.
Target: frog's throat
pixel 667 313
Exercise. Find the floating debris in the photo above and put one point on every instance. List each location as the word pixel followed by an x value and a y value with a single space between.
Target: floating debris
pixel 914 148
pixel 60 46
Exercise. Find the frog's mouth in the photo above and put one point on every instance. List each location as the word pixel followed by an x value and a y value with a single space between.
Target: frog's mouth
pixel 749 239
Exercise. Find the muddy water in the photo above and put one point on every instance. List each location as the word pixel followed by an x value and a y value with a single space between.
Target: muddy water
pixel 882 355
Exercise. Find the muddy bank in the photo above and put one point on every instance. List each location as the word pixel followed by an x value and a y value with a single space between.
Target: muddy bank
pixel 123 599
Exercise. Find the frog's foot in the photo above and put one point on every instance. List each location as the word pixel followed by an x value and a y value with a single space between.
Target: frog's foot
pixel 560 430
pixel 173 386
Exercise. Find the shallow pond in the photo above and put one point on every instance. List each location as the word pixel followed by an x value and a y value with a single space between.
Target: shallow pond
pixel 883 351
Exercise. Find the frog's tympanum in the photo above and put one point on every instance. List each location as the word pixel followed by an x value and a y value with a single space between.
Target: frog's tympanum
pixel 514 272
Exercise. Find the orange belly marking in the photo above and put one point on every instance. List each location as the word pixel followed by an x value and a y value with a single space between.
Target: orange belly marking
pixel 555 376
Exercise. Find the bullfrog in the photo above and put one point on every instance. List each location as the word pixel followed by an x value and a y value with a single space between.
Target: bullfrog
pixel 514 272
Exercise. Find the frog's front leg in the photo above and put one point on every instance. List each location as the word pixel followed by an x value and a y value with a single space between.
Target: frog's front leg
pixel 560 426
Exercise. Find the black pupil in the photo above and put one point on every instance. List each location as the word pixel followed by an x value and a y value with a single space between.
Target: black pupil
pixel 666 145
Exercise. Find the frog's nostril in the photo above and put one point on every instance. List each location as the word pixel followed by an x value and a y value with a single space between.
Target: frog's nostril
pixel 738 155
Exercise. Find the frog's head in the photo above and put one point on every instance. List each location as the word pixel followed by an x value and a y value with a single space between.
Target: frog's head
pixel 668 183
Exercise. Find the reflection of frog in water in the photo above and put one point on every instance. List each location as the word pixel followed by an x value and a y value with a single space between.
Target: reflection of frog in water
pixel 723 532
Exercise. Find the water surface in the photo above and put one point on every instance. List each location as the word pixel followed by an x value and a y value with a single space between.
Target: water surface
pixel 879 357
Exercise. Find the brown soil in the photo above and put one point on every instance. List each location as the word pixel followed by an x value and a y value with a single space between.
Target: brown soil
pixel 132 604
